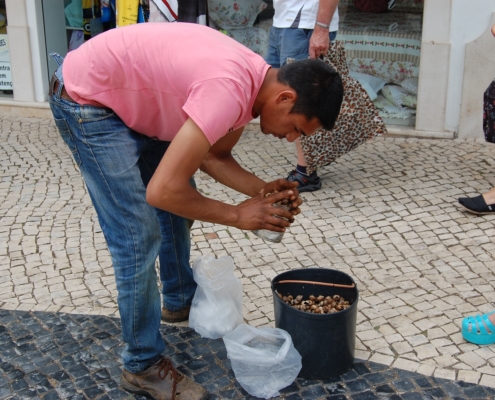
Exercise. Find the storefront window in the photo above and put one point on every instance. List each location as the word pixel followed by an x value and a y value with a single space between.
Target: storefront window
pixel 6 88
pixel 382 39
pixel 69 23
pixel 86 19
pixel 74 23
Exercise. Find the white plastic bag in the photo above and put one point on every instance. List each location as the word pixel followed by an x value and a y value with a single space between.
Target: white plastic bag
pixel 216 308
pixel 264 360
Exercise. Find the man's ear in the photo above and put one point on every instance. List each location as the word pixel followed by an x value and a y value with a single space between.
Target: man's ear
pixel 286 96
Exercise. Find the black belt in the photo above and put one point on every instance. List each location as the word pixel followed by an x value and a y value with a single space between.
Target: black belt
pixel 54 84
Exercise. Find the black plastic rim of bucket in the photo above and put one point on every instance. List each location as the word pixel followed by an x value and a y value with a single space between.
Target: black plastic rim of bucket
pixel 317 324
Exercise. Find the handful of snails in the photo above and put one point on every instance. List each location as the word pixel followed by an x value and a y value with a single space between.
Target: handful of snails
pixel 285 202
pixel 271 236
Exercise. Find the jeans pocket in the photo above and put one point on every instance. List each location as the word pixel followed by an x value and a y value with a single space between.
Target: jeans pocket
pixel 90 113
pixel 64 131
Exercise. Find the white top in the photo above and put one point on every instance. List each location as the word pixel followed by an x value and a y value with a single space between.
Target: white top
pixel 299 14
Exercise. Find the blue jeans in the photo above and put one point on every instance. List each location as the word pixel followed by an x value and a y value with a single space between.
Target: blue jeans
pixel 117 164
pixel 284 43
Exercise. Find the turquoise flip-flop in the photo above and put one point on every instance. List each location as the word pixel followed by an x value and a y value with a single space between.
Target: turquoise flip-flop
pixel 478 329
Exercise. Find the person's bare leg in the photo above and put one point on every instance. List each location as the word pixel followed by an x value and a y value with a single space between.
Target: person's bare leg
pixel 492 318
pixel 306 182
pixel 300 155
pixel 489 197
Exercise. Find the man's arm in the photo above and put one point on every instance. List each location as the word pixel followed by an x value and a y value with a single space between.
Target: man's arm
pixel 319 41
pixel 169 188
pixel 222 166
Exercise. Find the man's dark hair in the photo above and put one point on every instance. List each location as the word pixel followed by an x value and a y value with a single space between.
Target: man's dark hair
pixel 319 89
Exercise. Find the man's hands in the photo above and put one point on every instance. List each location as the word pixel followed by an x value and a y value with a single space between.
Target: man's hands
pixel 280 185
pixel 169 188
pixel 259 213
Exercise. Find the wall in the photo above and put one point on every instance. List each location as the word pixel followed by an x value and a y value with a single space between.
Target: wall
pixel 473 55
pixel 434 69
pixel 37 39
pixel 20 50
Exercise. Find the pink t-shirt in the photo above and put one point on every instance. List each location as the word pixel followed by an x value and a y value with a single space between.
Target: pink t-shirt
pixel 156 75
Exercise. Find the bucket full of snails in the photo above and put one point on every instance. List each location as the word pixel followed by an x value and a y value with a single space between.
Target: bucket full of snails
pixel 318 308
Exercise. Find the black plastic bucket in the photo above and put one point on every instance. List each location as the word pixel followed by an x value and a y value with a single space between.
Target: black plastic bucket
pixel 326 342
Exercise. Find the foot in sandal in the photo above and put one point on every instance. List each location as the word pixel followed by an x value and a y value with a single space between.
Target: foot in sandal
pixel 479 329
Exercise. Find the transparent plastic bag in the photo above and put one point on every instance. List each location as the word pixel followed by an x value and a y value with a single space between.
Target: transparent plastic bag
pixel 264 360
pixel 216 308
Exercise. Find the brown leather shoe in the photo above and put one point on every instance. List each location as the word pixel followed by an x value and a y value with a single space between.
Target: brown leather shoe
pixel 163 382
pixel 176 316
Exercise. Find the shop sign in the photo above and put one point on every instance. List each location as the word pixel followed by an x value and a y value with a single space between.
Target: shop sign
pixel 5 73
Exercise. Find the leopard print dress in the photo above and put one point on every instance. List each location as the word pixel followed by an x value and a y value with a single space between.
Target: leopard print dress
pixel 357 122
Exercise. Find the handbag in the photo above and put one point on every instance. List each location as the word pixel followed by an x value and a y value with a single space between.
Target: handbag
pixel 358 120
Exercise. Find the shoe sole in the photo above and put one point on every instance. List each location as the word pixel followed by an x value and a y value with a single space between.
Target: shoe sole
pixel 172 321
pixel 135 390
pixel 309 188
pixel 478 339
pixel 476 212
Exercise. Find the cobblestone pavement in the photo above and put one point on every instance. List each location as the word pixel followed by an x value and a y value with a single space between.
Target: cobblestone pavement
pixel 387 215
